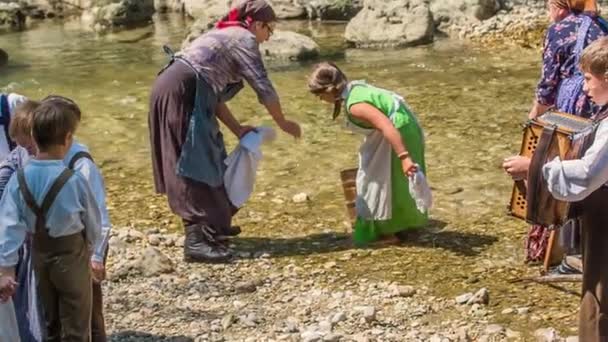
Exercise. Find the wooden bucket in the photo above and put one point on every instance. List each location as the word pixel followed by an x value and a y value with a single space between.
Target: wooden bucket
pixel 349 185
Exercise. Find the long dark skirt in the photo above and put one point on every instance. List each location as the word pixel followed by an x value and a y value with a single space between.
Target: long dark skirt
pixel 171 105
pixel 593 320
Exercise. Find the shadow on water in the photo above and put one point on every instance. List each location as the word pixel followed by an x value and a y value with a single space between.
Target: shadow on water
pixel 432 236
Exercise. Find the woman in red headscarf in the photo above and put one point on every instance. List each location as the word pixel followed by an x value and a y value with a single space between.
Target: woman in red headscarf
pixel 188 98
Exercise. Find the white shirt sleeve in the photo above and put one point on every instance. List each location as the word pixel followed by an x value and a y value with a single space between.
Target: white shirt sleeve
pixel 13 227
pixel 91 218
pixel 574 180
pixel 92 175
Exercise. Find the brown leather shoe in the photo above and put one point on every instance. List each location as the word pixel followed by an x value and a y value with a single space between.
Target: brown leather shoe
pixel 201 245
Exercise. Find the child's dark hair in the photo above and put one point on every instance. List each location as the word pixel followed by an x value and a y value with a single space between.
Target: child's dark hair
pixel 21 122
pixel 54 119
pixel 325 77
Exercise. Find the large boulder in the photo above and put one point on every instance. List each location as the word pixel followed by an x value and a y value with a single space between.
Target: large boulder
pixel 283 45
pixel 199 9
pixel 332 9
pixel 454 11
pixel 12 14
pixel 162 6
pixel 288 9
pixel 285 9
pixel 391 23
pixel 287 45
pixel 115 13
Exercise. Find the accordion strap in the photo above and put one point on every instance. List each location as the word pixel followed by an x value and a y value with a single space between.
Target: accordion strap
pixel 535 179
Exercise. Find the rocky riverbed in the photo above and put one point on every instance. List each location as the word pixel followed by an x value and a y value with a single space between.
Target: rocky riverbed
pixel 151 295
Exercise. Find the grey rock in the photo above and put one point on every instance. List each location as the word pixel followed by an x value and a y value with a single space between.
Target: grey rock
pixel 369 313
pixel 300 198
pixel 162 6
pixel 391 23
pixel 338 317
pixel 401 291
pixel 326 326
pixel 246 287
pixel 458 10
pixel 154 239
pixel 547 335
pixel 110 14
pixel 480 297
pixel 332 337
pixel 250 320
pixel 463 298
pixel 493 329
pixel 512 334
pixel 330 264
pixel 287 45
pixel 153 262
pixel 311 336
pixel 227 321
pixel 238 304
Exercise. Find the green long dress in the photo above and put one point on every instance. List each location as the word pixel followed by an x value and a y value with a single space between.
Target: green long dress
pixel 405 215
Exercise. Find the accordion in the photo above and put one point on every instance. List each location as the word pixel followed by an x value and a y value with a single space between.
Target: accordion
pixel 551 135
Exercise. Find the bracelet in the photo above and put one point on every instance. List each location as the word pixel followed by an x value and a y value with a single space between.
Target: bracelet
pixel 403 155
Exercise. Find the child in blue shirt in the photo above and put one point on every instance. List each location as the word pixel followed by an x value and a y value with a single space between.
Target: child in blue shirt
pixel 59 209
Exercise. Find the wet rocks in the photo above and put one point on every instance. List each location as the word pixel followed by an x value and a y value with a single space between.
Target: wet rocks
pixel 291 46
pixel 332 9
pixel 480 297
pixel 463 298
pixel 151 262
pixel 391 23
pixel 283 45
pixel 206 9
pixel 12 14
pixel 112 14
pixel 300 198
pixel 547 335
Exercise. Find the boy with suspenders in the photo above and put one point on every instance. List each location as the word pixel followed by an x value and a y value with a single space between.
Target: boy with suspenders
pixel 58 207
pixel 79 160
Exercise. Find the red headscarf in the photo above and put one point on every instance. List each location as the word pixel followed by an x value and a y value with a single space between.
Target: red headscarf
pixel 246 12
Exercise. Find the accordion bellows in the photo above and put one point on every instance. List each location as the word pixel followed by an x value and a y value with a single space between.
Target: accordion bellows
pixel 546 137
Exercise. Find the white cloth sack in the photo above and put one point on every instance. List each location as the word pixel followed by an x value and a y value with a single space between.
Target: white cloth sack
pixel 420 191
pixel 242 164
pixel 9 332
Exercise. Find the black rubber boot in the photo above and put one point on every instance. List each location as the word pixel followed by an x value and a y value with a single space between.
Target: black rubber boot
pixel 200 245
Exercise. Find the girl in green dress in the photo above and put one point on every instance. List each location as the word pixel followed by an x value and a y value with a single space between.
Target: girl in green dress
pixel 392 151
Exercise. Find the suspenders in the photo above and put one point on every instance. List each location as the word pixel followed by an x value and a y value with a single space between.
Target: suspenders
pixel 42 210
pixel 49 198
pixel 77 156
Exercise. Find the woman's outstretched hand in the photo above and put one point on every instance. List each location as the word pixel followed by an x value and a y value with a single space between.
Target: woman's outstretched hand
pixel 291 127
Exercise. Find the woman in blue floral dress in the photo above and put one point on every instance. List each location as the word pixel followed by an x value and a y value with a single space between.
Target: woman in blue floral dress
pixel 575 24
pixel 573 20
